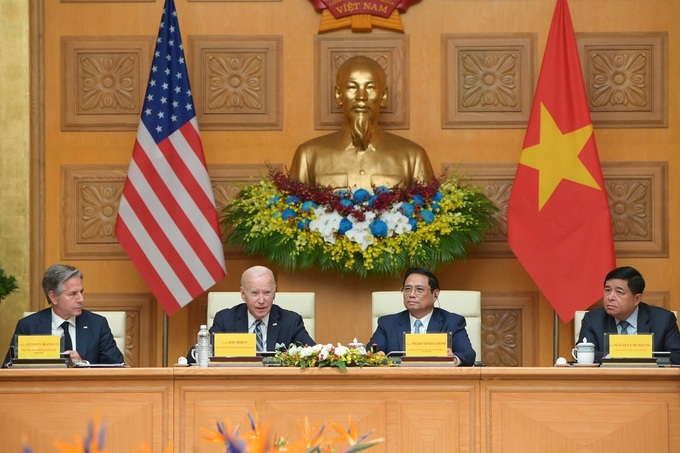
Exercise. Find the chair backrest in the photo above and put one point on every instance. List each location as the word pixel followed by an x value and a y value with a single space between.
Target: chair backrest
pixel 464 303
pixel 578 318
pixel 116 320
pixel 301 303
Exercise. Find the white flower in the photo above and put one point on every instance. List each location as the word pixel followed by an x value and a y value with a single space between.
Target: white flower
pixel 340 350
pixel 396 223
pixel 293 350
pixel 361 232
pixel 306 351
pixel 326 224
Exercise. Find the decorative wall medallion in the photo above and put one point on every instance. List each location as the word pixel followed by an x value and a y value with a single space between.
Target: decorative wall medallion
pixel 626 78
pixel 237 82
pixel 103 81
pixel 487 80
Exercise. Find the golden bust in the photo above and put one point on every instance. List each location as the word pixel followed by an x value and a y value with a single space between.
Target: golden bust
pixel 361 154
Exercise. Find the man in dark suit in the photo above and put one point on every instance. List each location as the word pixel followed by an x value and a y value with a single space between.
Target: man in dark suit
pixel 625 313
pixel 87 336
pixel 420 290
pixel 258 312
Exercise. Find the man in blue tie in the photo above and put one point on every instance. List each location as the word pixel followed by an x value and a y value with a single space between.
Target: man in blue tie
pixel 624 313
pixel 87 336
pixel 420 290
pixel 257 314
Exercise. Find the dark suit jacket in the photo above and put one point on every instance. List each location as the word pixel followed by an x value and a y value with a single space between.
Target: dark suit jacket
pixel 389 336
pixel 284 326
pixel 657 320
pixel 94 340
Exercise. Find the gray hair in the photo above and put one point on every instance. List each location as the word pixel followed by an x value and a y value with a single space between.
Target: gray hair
pixel 55 276
pixel 256 271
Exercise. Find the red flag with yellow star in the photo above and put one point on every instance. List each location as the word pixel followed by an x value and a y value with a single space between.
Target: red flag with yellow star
pixel 559 225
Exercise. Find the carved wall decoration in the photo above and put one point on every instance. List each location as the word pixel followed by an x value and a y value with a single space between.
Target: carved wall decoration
pixel 508 328
pixel 91 194
pixel 140 323
pixel 487 80
pixel 638 202
pixel 238 82
pixel 392 53
pixel 103 81
pixel 626 78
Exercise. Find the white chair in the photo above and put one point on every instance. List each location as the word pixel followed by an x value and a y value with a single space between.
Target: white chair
pixel 464 303
pixel 301 303
pixel 116 320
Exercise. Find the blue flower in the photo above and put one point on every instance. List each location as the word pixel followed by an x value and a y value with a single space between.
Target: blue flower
pixel 438 196
pixel 361 195
pixel 406 209
pixel 381 190
pixel 292 199
pixel 346 203
pixel 414 224
pixel 418 200
pixel 273 200
pixel 427 216
pixel 345 226
pixel 435 207
pixel 302 224
pixel 308 206
pixel 288 214
pixel 372 200
pixel 378 228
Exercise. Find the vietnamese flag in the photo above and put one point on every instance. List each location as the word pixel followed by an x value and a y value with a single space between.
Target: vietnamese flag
pixel 559 225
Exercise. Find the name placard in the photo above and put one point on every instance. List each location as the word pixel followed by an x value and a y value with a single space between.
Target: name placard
pixel 38 346
pixel 426 344
pixel 235 345
pixel 630 346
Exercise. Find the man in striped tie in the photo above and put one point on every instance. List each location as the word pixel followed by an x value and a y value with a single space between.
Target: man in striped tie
pixel 257 314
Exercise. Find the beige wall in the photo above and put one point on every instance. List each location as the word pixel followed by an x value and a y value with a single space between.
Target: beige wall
pixel 14 159
pixel 339 299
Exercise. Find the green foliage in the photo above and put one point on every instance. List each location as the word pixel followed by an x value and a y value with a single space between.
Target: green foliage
pixel 8 284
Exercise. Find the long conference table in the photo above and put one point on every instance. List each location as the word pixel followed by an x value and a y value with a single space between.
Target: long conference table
pixel 415 409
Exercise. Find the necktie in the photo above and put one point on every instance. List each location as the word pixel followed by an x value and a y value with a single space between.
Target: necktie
pixel 258 335
pixel 418 324
pixel 68 344
pixel 624 327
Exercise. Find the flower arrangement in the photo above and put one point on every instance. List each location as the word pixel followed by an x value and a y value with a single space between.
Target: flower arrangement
pixel 379 232
pixel 257 441
pixel 331 356
pixel 311 440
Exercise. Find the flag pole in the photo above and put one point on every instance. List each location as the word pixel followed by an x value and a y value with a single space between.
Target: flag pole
pixel 556 339
pixel 165 339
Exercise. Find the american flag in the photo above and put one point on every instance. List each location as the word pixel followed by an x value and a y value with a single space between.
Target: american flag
pixel 167 221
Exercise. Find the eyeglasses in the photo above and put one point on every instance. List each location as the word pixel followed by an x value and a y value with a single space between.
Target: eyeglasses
pixel 419 290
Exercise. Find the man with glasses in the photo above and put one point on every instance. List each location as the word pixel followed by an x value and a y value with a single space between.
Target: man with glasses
pixel 420 290
pixel 87 336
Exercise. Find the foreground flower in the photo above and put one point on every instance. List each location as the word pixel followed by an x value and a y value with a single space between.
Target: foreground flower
pixel 296 225
pixel 327 355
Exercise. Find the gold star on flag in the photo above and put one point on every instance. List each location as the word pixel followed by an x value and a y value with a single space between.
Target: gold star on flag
pixel 556 157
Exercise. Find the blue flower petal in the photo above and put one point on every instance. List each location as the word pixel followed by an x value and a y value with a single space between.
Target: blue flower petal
pixel 378 228
pixel 292 199
pixel 414 224
pixel 427 216
pixel 381 190
pixel 438 196
pixel 372 200
pixel 435 207
pixel 302 224
pixel 345 226
pixel 288 214
pixel 361 195
pixel 406 209
pixel 418 200
pixel 308 206
pixel 346 203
